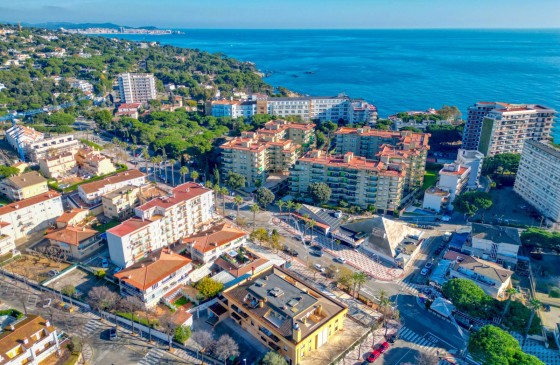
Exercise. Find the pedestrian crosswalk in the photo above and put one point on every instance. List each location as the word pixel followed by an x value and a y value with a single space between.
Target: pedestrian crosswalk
pixel 160 356
pixel 409 287
pixel 91 326
pixel 420 342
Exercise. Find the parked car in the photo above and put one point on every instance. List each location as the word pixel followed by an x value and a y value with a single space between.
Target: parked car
pixel 428 265
pixel 67 307
pixel 290 251
pixel 546 307
pixel 437 251
pixel 232 217
pixel 373 356
pixel 424 272
pixel 445 218
pixel 319 268
pixel 392 339
pixel 383 347
pixel 316 253
pixel 105 263
pixel 53 273
pixel 340 260
pixel 47 303
pixel 113 333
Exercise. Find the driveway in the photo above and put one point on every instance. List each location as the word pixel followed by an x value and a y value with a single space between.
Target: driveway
pixel 249 347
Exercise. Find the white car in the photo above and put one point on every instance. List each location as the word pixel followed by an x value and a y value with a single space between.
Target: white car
pixel 445 218
pixel 320 268
pixel 340 260
pixel 424 272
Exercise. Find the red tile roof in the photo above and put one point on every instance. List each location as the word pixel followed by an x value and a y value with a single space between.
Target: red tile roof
pixel 71 235
pixel 129 226
pixel 51 194
pixel 179 194
pixel 114 179
pixel 215 237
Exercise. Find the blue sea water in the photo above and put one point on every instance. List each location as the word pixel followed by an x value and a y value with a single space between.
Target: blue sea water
pixel 397 70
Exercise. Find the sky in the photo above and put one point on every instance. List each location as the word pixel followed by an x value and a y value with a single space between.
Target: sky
pixel 290 14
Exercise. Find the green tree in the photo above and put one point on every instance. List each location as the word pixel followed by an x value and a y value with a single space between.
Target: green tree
pixel 358 279
pixel 471 202
pixel 319 192
pixel 184 170
pixel 235 181
pixel 259 235
pixel 61 119
pixel 536 237
pixel 208 287
pixel 280 204
pixel 494 346
pixel 464 294
pixel 238 201
pixel 182 334
pixel 503 163
pixel 264 197
pixel 254 209
pixel 534 306
pixel 194 176
pixel 273 358
pixel 103 118
pixel 7 171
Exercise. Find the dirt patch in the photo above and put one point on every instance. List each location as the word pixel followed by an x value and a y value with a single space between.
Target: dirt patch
pixel 34 268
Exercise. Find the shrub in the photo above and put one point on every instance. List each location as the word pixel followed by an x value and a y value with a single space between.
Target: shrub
pixel 182 334
pixel 554 292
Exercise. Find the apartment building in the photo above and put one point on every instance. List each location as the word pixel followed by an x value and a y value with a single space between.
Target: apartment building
pixel 92 193
pixel 473 159
pixel 24 186
pixel 76 242
pixel 490 277
pixel 32 214
pixel 137 88
pixel 322 108
pixel 208 245
pixel 352 179
pixel 283 313
pixel 538 177
pixel 7 241
pixel 19 136
pixel 158 274
pixel 51 147
pixel 57 166
pixel 453 178
pixel 94 163
pixel 28 341
pixel 72 217
pixel 271 149
pixel 161 222
pixel 120 204
pixel 494 243
pixel 436 199
pixel 494 128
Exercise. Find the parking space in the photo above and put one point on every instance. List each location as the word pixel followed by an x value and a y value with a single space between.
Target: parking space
pixel 82 280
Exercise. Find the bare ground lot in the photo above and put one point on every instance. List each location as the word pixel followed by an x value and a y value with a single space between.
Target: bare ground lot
pixel 33 267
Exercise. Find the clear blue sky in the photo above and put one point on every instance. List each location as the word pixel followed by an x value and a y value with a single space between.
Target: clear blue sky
pixel 291 13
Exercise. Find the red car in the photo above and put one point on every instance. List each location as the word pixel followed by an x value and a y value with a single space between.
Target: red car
pixel 373 356
pixel 383 347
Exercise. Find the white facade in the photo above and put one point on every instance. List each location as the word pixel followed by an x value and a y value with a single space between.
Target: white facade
pixel 234 109
pixel 435 199
pixel 538 179
pixel 161 222
pixel 137 88
pixel 51 146
pixel 7 241
pixel 33 214
pixel 474 160
pixel 454 178
pixel 93 192
pixel 19 136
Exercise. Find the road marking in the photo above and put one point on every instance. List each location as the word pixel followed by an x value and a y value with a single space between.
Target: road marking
pixel 431 335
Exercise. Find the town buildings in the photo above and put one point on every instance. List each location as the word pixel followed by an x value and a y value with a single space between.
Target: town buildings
pixel 19 136
pixel 538 179
pixel 272 149
pixel 7 238
pixel 436 199
pixel 28 341
pixel 474 160
pixel 91 193
pixel 322 108
pixel 453 178
pixel 352 179
pixel 75 242
pixel 282 312
pixel 494 243
pixel 73 217
pixel 137 88
pixel 490 277
pixel 52 146
pixel 24 186
pixel 120 204
pixel 94 163
pixel 207 246
pixel 163 271
pixel 57 166
pixel 161 222
pixel 495 127
pixel 33 214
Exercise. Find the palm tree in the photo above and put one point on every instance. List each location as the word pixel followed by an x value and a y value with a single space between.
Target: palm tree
pixel 154 160
pixel 311 225
pixel 254 209
pixel 184 170
pixel 297 207
pixel 172 163
pixel 159 160
pixel 289 206
pixel 238 201
pixel 224 191
pixel 194 176
pixel 385 308
pixel 358 279
pixel 534 305
pixel 511 291
pixel 280 204
pixel 145 155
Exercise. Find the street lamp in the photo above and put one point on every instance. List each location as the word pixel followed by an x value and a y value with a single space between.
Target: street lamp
pixel 244 361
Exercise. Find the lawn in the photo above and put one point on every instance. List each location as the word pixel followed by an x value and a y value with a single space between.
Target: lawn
pixel 91 144
pixel 140 319
pixel 101 228
pixel 430 178
pixel 180 302
pixel 4 200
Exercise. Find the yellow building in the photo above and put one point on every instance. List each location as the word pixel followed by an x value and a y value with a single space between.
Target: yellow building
pixel 57 166
pixel 24 186
pixel 283 313
pixel 94 163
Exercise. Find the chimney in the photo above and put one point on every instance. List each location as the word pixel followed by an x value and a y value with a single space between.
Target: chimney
pixel 348 157
pixel 252 270
pixel 296 333
pixel 319 310
pixel 304 320
pixel 12 328
pixel 25 340
pixel 261 303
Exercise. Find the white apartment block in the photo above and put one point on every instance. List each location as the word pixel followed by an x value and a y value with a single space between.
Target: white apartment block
pixel 474 160
pixel 436 199
pixel 233 108
pixel 453 178
pixel 51 146
pixel 91 193
pixel 7 241
pixel 33 214
pixel 161 222
pixel 28 341
pixel 494 128
pixel 19 136
pixel 538 179
pixel 137 88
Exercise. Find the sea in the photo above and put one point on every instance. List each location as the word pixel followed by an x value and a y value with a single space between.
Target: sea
pixel 397 70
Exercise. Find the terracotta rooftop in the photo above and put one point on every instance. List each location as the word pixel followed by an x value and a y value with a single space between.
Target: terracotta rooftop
pixel 15 206
pixel 159 265
pixel 405 137
pixel 24 329
pixel 71 235
pixel 247 144
pixel 129 226
pixel 25 180
pixel 357 163
pixel 179 194
pixel 214 237
pixel 460 171
pixel 114 179
pixel 69 215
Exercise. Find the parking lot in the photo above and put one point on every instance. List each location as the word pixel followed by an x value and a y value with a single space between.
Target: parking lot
pixel 508 207
pixel 82 280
